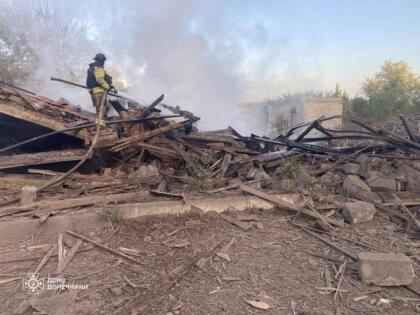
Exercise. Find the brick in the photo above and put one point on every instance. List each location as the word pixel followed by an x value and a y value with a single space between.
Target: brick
pixel 358 212
pixel 385 269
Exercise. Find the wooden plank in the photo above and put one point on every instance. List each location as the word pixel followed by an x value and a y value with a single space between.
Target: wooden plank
pixel 63 264
pixel 45 259
pixel 18 160
pixel 60 248
pixel 50 205
pixel 20 180
pixel 406 210
pixel 32 255
pixel 287 205
pixel 106 248
pixel 407 203
pixel 33 117
pixel 127 142
pixel 331 244
pixel 187 158
pixel 158 149
pixel 242 225
pixel 282 203
pixel 225 165
pixel 109 182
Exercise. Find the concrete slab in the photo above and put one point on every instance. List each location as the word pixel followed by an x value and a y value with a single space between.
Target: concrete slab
pixel 208 204
pixel 24 229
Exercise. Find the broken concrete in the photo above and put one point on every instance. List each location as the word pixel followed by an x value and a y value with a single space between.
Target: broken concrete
pixel 384 184
pixel 354 186
pixel 385 269
pixel 219 205
pixel 355 212
pixel 353 183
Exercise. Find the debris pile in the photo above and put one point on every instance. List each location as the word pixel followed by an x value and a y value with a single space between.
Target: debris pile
pixel 143 150
pixel 147 164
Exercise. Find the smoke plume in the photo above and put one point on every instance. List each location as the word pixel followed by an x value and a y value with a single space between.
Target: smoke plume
pixel 192 51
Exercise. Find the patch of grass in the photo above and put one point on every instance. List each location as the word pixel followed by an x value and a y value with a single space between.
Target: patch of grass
pixel 288 168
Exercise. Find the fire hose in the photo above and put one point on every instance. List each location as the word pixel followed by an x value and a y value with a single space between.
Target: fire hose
pixel 88 153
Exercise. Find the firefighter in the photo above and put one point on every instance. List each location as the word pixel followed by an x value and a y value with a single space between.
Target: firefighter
pixel 99 83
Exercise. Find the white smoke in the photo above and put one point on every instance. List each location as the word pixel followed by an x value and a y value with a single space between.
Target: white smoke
pixel 162 53
pixel 188 50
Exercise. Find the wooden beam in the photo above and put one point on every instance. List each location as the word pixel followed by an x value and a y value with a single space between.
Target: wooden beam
pixel 34 117
pixel 50 205
pixel 287 205
pixel 225 165
pixel 18 160
pixel 20 180
pixel 106 248
pixel 127 142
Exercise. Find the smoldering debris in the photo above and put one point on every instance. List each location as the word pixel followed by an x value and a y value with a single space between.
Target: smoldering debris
pixel 145 163
pixel 141 149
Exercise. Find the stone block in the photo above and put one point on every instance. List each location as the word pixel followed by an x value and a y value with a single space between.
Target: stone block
pixel 385 269
pixel 383 184
pixel 355 212
pixel 353 184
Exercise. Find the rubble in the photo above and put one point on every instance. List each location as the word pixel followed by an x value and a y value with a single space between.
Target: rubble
pixel 28 195
pixel 170 156
pixel 385 269
pixel 147 164
pixel 354 185
pixel 355 212
pixel 384 184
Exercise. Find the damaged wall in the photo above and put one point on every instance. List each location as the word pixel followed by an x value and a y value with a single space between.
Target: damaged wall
pixel 314 108
pixel 279 115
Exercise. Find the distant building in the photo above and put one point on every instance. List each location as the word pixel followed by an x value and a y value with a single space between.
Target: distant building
pixel 279 115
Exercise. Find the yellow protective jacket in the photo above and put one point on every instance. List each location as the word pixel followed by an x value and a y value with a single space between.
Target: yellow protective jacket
pixel 100 80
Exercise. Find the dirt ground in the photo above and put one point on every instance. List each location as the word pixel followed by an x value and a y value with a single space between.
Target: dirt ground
pixel 273 265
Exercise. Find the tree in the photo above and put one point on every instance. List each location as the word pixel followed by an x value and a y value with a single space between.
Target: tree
pixel 15 56
pixel 392 90
pixel 38 36
pixel 360 106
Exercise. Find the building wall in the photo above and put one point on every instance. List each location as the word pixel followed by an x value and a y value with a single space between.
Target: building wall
pixel 314 108
pixel 283 116
pixel 277 116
